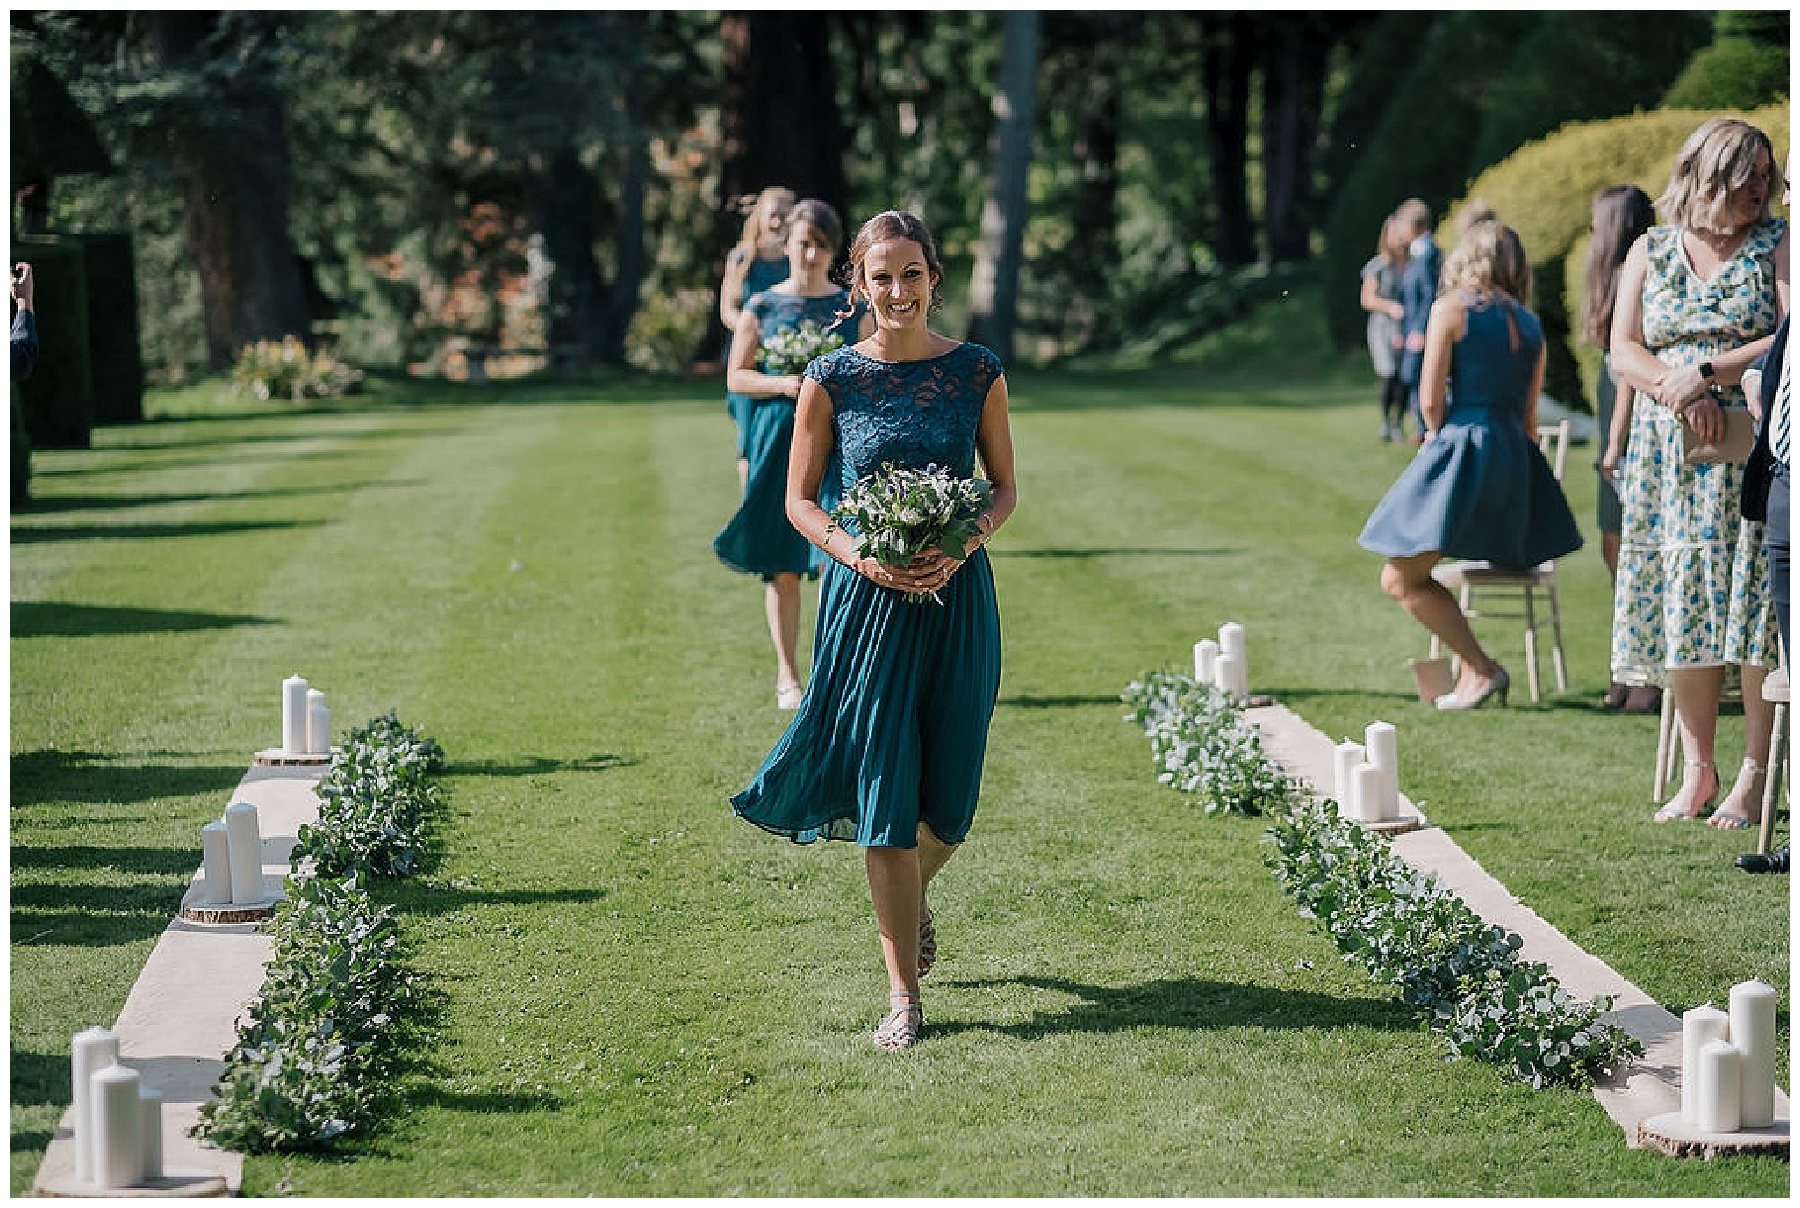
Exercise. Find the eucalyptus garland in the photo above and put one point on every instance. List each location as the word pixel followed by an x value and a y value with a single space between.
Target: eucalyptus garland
pixel 1202 744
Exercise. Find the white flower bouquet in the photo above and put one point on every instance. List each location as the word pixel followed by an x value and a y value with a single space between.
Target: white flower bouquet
pixel 791 349
pixel 897 512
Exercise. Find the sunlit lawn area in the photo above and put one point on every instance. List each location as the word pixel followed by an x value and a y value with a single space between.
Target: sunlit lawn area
pixel 638 994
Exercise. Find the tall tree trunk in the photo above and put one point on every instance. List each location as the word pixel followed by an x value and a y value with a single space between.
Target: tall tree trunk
pixel 1096 243
pixel 235 186
pixel 628 276
pixel 994 287
pixel 1294 63
pixel 1228 41
pixel 779 120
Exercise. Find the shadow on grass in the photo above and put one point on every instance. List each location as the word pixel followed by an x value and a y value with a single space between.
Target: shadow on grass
pixel 1183 1002
pixel 54 504
pixel 536 765
pixel 482 1103
pixel 32 535
pixel 42 777
pixel 87 916
pixel 39 1080
pixel 1114 553
pixel 48 618
pixel 420 899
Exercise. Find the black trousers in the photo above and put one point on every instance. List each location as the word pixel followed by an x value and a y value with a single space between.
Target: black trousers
pixel 1775 540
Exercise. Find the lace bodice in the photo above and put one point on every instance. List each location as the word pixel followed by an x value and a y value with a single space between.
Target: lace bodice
pixel 911 413
pixel 1688 319
pixel 777 312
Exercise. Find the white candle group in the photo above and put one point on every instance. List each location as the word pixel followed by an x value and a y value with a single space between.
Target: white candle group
pixel 118 1113
pixel 1368 784
pixel 293 716
pixel 243 837
pixel 1347 757
pixel 1728 1062
pixel 1234 661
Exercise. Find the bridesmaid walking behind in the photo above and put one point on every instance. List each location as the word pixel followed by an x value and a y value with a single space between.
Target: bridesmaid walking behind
pixel 760 540
pixel 887 748
pixel 1479 486
pixel 757 262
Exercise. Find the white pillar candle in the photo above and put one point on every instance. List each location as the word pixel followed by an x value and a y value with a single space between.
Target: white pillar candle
pixel 1231 645
pixel 1700 1026
pixel 1206 661
pixel 89 1053
pixel 293 715
pixel 215 848
pixel 1753 1035
pixel 1366 803
pixel 1345 758
pixel 151 1101
pixel 318 723
pixel 1720 1090
pixel 1384 752
pixel 245 839
pixel 119 1135
pixel 1231 676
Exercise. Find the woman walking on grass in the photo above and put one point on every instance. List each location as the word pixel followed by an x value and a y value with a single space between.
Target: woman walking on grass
pixel 757 262
pixel 1479 487
pixel 888 745
pixel 807 311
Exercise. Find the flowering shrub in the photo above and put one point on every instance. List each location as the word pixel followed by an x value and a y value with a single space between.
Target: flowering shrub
pixel 1202 744
pixel 285 369
pixel 1462 974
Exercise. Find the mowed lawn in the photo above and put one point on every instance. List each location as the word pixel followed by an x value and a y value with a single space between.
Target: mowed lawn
pixel 635 994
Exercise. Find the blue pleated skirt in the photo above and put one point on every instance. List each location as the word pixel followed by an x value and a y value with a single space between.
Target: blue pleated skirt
pixel 893 730
pixel 1480 489
pixel 760 539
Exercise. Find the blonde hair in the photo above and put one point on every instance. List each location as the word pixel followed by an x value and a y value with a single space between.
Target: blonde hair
pixel 752 233
pixel 1395 243
pixel 1717 159
pixel 1488 257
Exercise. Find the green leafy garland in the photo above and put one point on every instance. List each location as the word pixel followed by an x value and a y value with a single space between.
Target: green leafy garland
pixel 322 1040
pixel 1461 974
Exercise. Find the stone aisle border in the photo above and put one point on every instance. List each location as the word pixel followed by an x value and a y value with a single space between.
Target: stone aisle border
pixel 1651 1087
pixel 180 1019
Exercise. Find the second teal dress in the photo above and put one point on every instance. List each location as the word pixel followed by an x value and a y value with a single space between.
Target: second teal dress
pixel 1481 488
pixel 761 275
pixel 893 730
pixel 759 539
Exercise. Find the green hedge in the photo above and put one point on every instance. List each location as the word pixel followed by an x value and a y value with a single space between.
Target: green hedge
pixel 1546 190
pixel 1733 73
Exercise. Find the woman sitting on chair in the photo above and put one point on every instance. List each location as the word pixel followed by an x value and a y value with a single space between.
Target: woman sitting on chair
pixel 1479 486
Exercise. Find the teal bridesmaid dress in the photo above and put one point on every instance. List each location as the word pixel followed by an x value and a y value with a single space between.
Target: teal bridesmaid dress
pixel 760 276
pixel 893 729
pixel 759 539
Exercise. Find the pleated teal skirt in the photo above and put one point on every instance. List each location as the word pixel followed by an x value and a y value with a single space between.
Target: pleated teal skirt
pixel 893 729
pixel 760 539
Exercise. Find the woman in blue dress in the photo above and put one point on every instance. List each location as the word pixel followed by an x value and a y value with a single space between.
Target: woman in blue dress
pixel 1479 486
pixel 887 747
pixel 758 262
pixel 760 540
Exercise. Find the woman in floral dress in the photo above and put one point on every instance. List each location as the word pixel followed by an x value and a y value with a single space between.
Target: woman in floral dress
pixel 1699 300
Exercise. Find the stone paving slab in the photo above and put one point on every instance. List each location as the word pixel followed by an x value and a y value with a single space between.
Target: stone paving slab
pixel 180 1019
pixel 1651 1087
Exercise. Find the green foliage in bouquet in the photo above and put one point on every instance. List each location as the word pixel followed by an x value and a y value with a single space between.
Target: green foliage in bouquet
pixel 375 802
pixel 1202 744
pixel 1462 974
pixel 792 349
pixel 314 1048
pixel 897 512
pixel 285 369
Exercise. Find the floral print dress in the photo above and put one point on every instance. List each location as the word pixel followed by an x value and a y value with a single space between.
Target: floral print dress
pixel 1693 583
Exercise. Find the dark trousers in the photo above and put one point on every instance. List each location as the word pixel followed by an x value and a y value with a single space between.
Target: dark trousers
pixel 1775 540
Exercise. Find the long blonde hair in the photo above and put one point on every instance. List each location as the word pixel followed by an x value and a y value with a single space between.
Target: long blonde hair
pixel 1717 159
pixel 751 236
